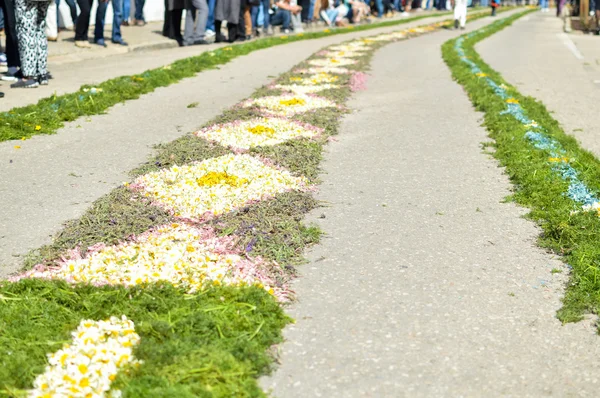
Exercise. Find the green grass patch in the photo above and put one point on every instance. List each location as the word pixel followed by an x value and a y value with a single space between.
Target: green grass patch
pixel 574 235
pixel 212 344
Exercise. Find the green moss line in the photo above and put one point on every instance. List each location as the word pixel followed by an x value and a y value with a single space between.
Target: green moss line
pixel 50 114
pixel 567 230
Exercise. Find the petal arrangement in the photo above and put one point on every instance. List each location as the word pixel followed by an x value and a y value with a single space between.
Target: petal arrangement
pixel 87 366
pixel 246 134
pixel 324 69
pixel 185 256
pixel 331 62
pixel 303 90
pixel 289 104
pixel 216 186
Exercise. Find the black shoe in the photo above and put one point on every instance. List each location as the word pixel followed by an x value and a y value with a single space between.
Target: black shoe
pixel 220 38
pixel 42 80
pixel 248 37
pixel 201 42
pixel 456 24
pixel 241 38
pixel 25 83
pixel 1 94
pixel 120 42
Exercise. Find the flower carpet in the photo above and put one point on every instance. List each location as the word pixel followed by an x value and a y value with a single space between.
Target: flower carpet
pixel 191 305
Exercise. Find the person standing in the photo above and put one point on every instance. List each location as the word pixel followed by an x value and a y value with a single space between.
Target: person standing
pixel 33 45
pixel 460 13
pixel 227 10
pixel 13 60
pixel 117 6
pixel 195 22
pixel 139 13
pixel 83 24
pixel 52 22
pixel 126 12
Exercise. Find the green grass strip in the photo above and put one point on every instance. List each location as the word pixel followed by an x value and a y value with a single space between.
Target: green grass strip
pixel 50 114
pixel 567 230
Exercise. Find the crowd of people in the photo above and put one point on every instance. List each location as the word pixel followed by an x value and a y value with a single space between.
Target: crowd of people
pixel 28 25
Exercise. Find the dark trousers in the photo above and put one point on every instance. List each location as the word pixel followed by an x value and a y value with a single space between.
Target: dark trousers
pixel 10 29
pixel 305 4
pixel 83 20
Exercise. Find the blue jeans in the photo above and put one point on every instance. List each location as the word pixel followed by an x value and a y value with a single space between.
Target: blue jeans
pixel 379 5
pixel 139 10
pixel 72 10
pixel 210 25
pixel 256 14
pixel 117 19
pixel 332 14
pixel 126 10
pixel 1 19
pixel 311 10
pixel 283 18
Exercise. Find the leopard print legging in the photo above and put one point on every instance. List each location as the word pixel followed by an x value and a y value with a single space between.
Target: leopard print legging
pixel 33 44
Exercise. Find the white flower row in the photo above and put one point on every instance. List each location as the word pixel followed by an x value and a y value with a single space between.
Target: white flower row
pixel 87 367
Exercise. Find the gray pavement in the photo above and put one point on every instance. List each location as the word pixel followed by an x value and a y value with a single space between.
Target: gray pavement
pixel 52 179
pixel 426 285
pixel 562 71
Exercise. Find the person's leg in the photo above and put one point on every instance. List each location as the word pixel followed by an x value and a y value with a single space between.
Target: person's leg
pixel 277 19
pixel 203 19
pixel 25 17
pixel 189 29
pixel 210 25
pixel 311 10
pixel 117 19
pixel 139 10
pixel 241 26
pixel 100 19
pixel 127 11
pixel 379 5
pixel 463 13
pixel 266 16
pixel 72 9
pixel 10 30
pixel 248 20
pixel 41 40
pixel 83 20
pixel 52 22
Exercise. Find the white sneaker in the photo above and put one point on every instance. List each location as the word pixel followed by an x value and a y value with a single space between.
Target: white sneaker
pixel 209 33
pixel 285 31
pixel 405 14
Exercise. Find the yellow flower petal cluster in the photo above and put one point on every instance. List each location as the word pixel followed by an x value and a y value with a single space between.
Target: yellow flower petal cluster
pixel 182 190
pixel 328 69
pixel 317 78
pixel 289 104
pixel 301 89
pixel 512 101
pixel 562 159
pixel 351 46
pixel 182 255
pixel 343 54
pixel 87 366
pixel 257 132
pixel 331 62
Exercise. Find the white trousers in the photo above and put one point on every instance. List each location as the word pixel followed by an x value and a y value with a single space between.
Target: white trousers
pixel 51 26
pixel 460 11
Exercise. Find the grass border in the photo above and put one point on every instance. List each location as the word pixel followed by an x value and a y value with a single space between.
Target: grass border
pixel 540 182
